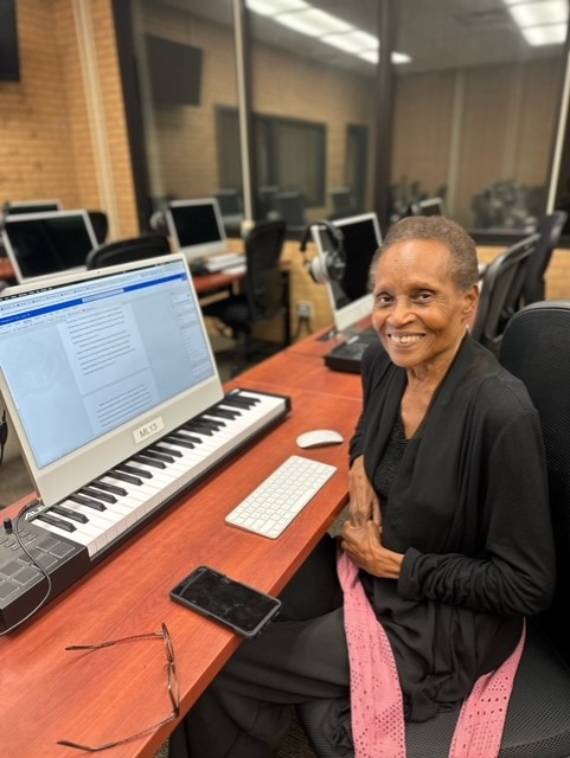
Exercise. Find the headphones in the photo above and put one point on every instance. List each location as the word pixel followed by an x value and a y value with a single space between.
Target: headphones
pixel 330 265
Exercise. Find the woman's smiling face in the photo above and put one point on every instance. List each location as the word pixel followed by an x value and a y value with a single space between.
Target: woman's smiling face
pixel 420 313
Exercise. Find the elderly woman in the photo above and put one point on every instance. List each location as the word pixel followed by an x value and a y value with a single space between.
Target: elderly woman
pixel 449 537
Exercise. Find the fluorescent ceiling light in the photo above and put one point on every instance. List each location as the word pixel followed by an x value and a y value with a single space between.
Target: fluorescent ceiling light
pixel 271 7
pixel 539 13
pixel 359 40
pixel 372 57
pixel 549 34
pixel 313 22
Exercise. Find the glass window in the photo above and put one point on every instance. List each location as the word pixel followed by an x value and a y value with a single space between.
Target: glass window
pixel 313 70
pixel 475 109
pixel 186 68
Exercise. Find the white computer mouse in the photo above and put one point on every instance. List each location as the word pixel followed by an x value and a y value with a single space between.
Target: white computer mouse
pixel 319 438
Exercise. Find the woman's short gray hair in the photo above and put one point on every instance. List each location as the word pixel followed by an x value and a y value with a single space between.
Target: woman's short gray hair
pixel 464 270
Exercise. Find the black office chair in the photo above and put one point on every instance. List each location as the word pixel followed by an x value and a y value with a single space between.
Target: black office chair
pixel 124 251
pixel 100 224
pixel 265 289
pixel 536 348
pixel 502 292
pixel 549 230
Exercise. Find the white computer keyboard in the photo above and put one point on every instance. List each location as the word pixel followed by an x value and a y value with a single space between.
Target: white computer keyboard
pixel 271 507
pixel 225 260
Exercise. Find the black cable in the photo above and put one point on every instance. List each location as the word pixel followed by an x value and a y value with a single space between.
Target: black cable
pixel 42 602
pixel 3 435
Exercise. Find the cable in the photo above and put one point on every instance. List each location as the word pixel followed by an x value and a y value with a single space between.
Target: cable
pixel 3 435
pixel 16 533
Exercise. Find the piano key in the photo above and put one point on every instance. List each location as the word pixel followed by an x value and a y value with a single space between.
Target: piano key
pixel 97 494
pixel 178 439
pixel 238 402
pixel 167 449
pixel 150 453
pixel 68 513
pixel 219 412
pixel 135 471
pixel 94 504
pixel 195 427
pixel 140 458
pixel 212 418
pixel 121 476
pixel 57 522
pixel 112 488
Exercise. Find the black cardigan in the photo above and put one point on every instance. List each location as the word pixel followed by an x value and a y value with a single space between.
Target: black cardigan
pixel 469 509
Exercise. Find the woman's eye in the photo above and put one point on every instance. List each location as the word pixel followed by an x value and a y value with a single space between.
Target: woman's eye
pixel 382 300
pixel 424 297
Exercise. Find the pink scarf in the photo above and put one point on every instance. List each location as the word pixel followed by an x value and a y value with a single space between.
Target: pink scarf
pixel 376 697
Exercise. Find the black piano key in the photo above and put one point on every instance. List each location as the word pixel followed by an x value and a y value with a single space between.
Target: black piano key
pixel 252 400
pixel 135 471
pixel 67 513
pixel 104 496
pixel 187 437
pixel 216 423
pixel 177 439
pixel 88 501
pixel 192 426
pixel 222 413
pixel 54 521
pixel 238 402
pixel 121 476
pixel 151 453
pixel 112 488
pixel 167 450
pixel 140 458
pixel 232 409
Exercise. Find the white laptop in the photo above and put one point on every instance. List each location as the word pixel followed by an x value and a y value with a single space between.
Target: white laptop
pixel 41 245
pixel 33 206
pixel 198 231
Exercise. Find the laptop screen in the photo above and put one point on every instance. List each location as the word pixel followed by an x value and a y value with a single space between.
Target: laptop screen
pixel 41 244
pixel 197 227
pixel 81 360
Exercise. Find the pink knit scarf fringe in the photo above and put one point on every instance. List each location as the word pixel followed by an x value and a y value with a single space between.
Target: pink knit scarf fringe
pixel 378 726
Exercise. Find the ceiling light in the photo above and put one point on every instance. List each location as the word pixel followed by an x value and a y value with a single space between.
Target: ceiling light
pixel 313 22
pixel 372 57
pixel 539 13
pixel 355 38
pixel 549 34
pixel 271 7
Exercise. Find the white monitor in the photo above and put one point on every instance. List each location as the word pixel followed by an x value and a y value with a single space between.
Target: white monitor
pixel 44 244
pixel 197 227
pixel 33 206
pixel 351 299
pixel 94 366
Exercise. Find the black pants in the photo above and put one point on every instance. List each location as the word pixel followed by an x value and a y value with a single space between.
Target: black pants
pixel 247 709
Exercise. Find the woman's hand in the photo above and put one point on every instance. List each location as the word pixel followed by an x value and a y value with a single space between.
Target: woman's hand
pixel 363 545
pixel 364 504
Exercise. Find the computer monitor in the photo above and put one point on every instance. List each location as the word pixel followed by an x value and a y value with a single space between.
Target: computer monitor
pixel 431 206
pixel 351 299
pixel 44 244
pixel 196 227
pixel 33 206
pixel 95 365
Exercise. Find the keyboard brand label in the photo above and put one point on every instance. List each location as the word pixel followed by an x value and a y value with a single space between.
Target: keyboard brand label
pixel 145 431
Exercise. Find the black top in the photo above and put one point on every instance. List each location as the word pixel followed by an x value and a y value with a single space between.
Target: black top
pixel 468 507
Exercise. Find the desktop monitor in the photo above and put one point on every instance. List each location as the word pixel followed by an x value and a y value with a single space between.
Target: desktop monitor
pixel 44 244
pixel 431 206
pixel 197 227
pixel 32 206
pixel 351 299
pixel 95 365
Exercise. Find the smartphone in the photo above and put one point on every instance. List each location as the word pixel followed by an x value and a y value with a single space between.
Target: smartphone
pixel 237 606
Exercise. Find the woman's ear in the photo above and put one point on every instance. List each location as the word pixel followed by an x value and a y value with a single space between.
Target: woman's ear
pixel 470 303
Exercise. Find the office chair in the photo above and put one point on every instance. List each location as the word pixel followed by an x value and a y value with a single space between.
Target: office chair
pixel 502 292
pixel 536 348
pixel 549 230
pixel 124 251
pixel 263 298
pixel 100 224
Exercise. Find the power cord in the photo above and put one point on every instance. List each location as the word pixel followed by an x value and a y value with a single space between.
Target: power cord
pixel 10 528
pixel 3 435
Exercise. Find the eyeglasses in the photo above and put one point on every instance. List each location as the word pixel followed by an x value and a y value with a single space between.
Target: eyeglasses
pixel 173 688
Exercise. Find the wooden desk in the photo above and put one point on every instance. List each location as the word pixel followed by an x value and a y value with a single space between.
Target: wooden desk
pixel 6 269
pixel 48 694
pixel 209 283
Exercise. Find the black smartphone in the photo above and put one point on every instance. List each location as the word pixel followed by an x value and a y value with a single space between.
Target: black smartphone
pixel 241 608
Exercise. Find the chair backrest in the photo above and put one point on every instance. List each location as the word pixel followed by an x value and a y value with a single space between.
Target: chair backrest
pixel 549 230
pixel 536 348
pixel 501 292
pixel 264 281
pixel 100 224
pixel 132 249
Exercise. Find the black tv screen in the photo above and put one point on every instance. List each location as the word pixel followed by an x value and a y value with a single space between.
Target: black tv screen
pixel 9 59
pixel 175 71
